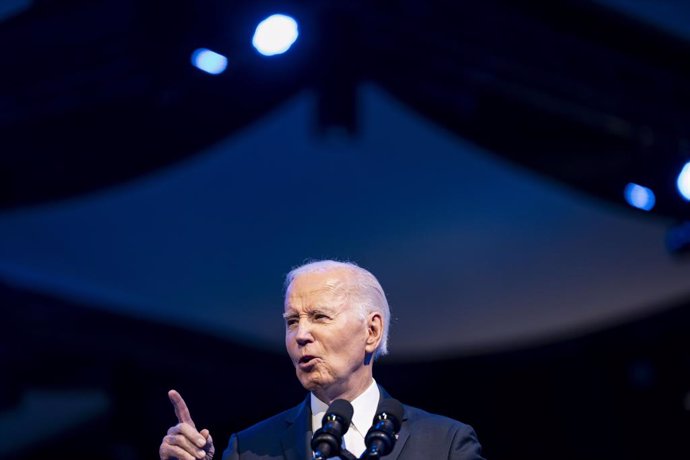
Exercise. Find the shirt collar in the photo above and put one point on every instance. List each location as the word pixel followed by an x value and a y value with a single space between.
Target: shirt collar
pixel 364 407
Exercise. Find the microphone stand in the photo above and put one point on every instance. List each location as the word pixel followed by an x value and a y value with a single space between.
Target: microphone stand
pixel 347 455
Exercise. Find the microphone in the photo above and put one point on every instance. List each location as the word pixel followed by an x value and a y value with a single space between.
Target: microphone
pixel 328 439
pixel 380 438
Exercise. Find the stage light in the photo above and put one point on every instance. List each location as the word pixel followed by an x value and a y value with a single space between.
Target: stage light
pixel 639 197
pixel 275 35
pixel 683 181
pixel 209 61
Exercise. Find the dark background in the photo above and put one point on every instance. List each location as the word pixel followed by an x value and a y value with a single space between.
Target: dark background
pixel 472 155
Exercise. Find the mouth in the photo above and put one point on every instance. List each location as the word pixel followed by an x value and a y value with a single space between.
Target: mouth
pixel 306 361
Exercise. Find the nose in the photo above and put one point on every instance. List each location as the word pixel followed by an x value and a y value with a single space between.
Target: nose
pixel 303 334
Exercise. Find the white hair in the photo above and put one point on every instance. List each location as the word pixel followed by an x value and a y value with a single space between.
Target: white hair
pixel 364 287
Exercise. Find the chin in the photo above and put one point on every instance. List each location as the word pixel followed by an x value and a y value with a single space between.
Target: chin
pixel 311 382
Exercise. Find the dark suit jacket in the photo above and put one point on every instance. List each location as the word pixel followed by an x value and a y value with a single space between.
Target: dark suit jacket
pixel 423 436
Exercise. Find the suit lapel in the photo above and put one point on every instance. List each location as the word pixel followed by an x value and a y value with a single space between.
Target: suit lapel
pixel 296 439
pixel 400 443
pixel 402 435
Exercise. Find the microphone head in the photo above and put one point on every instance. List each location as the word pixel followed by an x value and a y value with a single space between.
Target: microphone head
pixel 327 439
pixel 380 438
pixel 342 409
pixel 392 410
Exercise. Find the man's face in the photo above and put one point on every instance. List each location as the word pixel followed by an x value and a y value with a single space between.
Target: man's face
pixel 326 337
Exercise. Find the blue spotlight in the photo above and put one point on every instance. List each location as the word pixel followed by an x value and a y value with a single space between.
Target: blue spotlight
pixel 639 197
pixel 209 61
pixel 683 181
pixel 275 35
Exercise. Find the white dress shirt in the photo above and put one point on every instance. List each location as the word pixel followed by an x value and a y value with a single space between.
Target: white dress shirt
pixel 364 407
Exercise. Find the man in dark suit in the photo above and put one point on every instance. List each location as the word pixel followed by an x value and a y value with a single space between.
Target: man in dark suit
pixel 336 323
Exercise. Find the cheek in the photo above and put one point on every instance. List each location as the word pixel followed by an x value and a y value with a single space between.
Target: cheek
pixel 289 344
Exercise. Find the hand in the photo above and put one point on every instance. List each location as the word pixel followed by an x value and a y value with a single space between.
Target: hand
pixel 183 441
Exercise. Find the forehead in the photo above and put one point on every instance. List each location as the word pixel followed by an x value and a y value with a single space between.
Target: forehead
pixel 314 287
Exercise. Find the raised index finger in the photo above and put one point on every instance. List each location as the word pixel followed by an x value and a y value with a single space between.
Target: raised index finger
pixel 180 406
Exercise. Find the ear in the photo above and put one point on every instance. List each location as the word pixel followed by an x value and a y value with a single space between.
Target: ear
pixel 374 331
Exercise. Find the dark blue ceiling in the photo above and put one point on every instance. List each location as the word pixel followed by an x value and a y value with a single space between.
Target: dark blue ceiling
pixel 474 161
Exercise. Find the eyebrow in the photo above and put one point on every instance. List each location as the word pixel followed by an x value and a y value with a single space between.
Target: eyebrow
pixel 324 309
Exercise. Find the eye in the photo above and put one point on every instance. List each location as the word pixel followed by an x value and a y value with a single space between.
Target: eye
pixel 318 316
pixel 290 322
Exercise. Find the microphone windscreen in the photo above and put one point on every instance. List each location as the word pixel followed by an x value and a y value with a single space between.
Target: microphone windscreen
pixel 393 410
pixel 342 409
